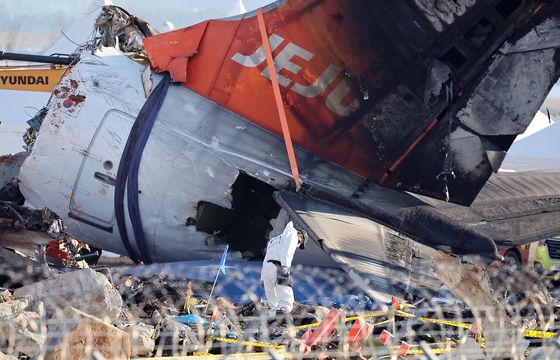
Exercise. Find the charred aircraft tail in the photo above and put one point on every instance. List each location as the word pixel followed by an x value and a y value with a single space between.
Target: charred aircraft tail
pixel 408 94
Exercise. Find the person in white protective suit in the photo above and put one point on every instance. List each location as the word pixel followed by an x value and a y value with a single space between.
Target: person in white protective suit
pixel 275 273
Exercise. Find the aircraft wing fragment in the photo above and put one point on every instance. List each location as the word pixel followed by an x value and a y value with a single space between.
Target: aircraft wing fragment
pixel 513 208
pixel 371 253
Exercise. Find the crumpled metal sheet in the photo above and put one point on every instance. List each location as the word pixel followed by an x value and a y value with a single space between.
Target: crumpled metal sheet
pixel 380 259
pixel 14 217
pixel 9 168
pixel 545 36
pixel 439 73
pixel 515 185
pixel 512 208
pixel 120 29
pixel 520 207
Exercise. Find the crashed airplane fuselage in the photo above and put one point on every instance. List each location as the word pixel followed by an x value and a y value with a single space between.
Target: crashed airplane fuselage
pixel 381 98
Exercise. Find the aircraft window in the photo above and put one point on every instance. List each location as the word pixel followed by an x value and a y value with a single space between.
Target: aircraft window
pixel 108 165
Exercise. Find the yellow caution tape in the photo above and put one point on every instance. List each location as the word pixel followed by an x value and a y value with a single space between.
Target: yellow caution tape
pixel 366 316
pixel 249 343
pixel 445 322
pixel 534 334
pixel 538 334
pixel 434 321
pixel 437 348
pixel 435 351
pixel 254 356
pixel 480 340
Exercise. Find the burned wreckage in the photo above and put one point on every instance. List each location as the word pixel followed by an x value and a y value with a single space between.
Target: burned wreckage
pixel 400 114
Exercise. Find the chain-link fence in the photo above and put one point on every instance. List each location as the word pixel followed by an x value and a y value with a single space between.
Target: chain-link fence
pixel 162 310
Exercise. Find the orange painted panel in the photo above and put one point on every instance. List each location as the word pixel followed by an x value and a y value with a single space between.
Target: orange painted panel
pixel 322 102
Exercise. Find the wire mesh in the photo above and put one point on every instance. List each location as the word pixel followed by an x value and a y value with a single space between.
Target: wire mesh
pixel 159 311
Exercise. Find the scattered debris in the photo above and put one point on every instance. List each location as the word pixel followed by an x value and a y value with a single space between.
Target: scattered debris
pixel 142 340
pixel 76 335
pixel 122 30
pixel 7 357
pixel 33 238
pixel 150 299
pixel 20 329
pixel 22 226
pixel 176 339
pixel 145 316
pixel 87 290
pixel 470 283
pixel 468 350
pixel 71 253
pixel 6 295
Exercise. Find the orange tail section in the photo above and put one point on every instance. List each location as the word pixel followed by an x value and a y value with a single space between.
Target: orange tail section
pixel 374 86
pixel 225 61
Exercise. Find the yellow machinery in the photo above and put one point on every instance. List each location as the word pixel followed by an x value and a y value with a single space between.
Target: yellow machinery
pixel 34 77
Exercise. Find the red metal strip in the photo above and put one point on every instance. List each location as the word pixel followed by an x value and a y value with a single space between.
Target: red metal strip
pixel 278 98
pixel 409 150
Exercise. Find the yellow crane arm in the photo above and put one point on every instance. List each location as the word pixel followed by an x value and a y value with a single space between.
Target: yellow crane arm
pixel 30 78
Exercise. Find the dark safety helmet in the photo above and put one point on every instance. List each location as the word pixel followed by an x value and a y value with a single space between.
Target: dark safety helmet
pixel 305 238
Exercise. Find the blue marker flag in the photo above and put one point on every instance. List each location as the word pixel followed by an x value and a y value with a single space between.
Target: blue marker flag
pixel 222 269
pixel 223 260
